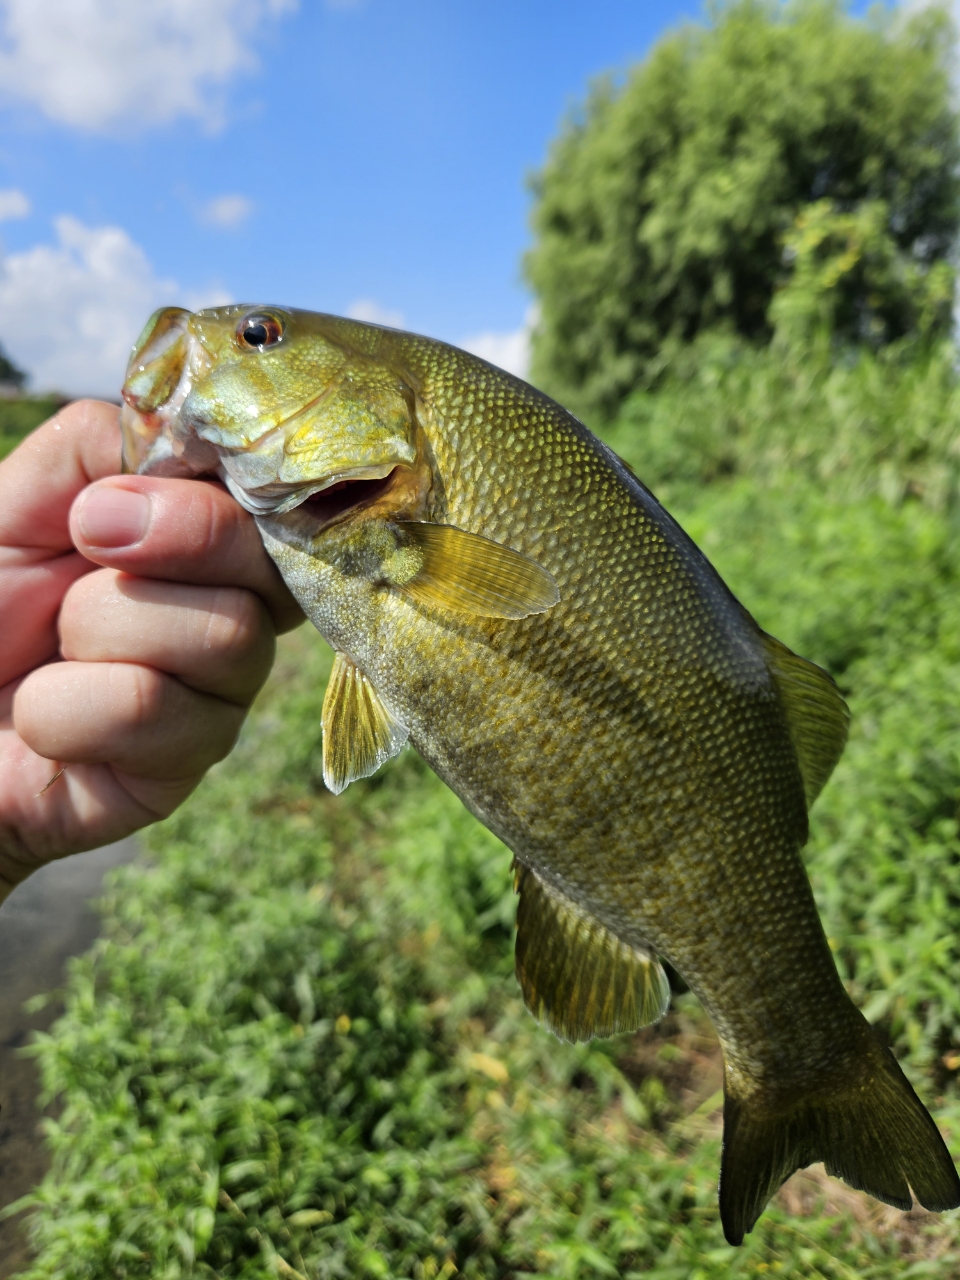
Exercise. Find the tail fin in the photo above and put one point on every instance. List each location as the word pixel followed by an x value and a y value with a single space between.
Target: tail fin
pixel 873 1131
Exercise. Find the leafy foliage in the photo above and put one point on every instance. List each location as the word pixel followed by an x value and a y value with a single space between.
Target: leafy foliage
pixel 18 417
pixel 10 374
pixel 885 424
pixel 783 144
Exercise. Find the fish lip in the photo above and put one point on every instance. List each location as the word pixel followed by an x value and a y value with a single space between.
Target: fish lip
pixel 283 499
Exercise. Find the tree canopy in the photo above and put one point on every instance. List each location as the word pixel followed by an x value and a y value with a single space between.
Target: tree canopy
pixel 787 154
pixel 10 374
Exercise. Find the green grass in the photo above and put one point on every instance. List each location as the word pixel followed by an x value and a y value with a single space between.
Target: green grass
pixel 299 1048
pixel 19 417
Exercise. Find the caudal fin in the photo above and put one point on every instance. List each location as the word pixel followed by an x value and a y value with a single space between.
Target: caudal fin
pixel 872 1131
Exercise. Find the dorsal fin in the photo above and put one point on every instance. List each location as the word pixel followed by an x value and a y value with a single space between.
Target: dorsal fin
pixel 359 733
pixel 577 977
pixel 468 573
pixel 817 716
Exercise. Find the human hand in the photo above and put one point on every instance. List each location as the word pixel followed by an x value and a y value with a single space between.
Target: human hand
pixel 135 675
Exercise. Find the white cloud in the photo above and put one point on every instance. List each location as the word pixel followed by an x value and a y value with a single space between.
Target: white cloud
pixel 74 308
pixel 226 211
pixel 510 350
pixel 13 204
pixel 211 296
pixel 372 312
pixel 103 64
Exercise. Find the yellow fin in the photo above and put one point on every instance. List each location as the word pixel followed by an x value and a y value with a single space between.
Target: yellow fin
pixel 359 733
pixel 817 716
pixel 470 574
pixel 577 977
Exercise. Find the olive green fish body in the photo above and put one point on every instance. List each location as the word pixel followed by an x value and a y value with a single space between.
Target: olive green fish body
pixel 629 744
pixel 645 751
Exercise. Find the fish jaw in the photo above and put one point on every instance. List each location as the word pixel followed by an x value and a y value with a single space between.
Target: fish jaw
pixel 279 424
pixel 165 363
pixel 348 434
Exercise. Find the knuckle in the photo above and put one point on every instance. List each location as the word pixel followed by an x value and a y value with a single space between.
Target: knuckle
pixel 86 591
pixel 78 410
pixel 27 704
pixel 83 609
pixel 142 694
pixel 234 625
pixel 217 523
pixel 84 415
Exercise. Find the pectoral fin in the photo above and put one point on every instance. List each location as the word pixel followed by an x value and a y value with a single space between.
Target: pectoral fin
pixel 470 574
pixel 359 733
pixel 577 977
pixel 817 716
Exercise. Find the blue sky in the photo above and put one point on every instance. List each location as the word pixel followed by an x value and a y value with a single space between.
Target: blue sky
pixel 358 156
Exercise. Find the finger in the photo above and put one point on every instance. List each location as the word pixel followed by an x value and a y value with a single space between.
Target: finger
pixel 30 596
pixel 43 475
pixel 38 484
pixel 49 816
pixel 181 531
pixel 86 806
pixel 140 720
pixel 217 640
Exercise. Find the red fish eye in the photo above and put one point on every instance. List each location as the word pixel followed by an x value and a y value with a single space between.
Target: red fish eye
pixel 259 330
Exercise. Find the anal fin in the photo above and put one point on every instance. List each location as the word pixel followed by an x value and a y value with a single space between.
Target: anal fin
pixel 359 733
pixel 577 977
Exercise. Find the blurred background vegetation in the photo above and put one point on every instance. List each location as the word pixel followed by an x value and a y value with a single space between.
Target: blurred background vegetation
pixel 299 1050
pixel 785 173
pixel 20 413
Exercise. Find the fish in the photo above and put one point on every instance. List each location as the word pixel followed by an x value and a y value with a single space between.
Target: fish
pixel 505 595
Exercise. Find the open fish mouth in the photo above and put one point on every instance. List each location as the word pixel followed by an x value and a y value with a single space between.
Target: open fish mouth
pixel 323 500
pixel 343 497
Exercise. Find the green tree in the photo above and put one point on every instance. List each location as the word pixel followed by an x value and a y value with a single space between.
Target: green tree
pixel 10 375
pixel 782 140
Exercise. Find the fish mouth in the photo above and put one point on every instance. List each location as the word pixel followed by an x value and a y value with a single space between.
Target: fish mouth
pixel 343 497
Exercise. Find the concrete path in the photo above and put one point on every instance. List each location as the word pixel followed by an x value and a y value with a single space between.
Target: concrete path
pixel 45 921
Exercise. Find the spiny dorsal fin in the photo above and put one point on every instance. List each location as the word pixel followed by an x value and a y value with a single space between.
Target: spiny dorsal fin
pixel 817 716
pixel 359 733
pixel 470 574
pixel 577 977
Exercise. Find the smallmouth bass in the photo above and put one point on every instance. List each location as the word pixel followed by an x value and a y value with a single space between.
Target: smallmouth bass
pixel 503 593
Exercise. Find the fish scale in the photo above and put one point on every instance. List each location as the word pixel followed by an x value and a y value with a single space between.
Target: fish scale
pixel 504 593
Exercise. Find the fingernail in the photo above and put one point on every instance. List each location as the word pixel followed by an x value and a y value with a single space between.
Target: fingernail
pixel 111 517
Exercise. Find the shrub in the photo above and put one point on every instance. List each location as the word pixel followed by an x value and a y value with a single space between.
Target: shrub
pixel 784 141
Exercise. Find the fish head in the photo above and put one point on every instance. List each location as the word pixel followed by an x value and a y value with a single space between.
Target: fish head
pixel 285 406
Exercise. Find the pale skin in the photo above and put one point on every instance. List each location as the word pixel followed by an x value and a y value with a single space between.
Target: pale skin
pixel 138 620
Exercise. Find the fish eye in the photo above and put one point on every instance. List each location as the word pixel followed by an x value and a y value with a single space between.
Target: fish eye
pixel 259 329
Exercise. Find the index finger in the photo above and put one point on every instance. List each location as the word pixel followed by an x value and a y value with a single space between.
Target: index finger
pixel 181 531
pixel 43 475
